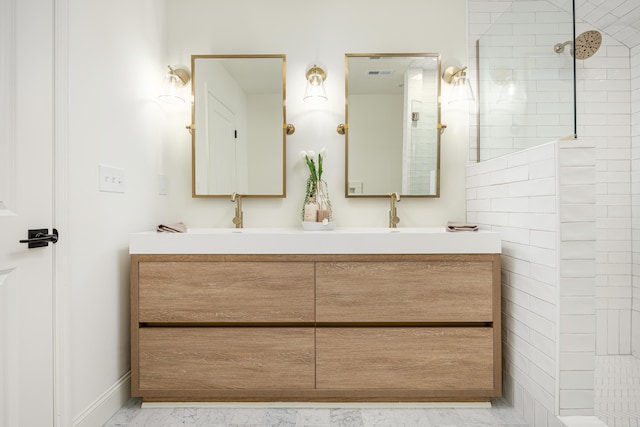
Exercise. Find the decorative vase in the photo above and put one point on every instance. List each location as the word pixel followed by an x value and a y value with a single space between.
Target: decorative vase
pixel 324 204
pixel 318 193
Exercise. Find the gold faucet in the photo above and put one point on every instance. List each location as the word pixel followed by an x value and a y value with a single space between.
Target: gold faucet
pixel 237 220
pixel 393 216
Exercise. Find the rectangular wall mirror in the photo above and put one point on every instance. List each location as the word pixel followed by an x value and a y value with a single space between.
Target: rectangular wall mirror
pixel 392 112
pixel 238 127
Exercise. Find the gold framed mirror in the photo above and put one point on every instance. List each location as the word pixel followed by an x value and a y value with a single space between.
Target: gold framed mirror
pixel 392 113
pixel 238 125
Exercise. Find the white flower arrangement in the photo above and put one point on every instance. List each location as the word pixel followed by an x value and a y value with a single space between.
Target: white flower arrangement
pixel 315 185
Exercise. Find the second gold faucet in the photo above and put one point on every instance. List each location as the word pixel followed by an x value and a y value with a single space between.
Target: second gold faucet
pixel 237 220
pixel 393 215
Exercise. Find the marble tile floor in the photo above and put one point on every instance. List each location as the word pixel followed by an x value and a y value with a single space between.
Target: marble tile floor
pixel 501 414
pixel 617 390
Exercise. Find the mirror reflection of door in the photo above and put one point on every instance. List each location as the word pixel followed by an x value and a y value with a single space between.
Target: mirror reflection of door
pixel 238 115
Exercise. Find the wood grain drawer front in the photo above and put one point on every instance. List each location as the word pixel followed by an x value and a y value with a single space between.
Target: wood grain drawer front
pixel 445 359
pixel 226 358
pixel 226 292
pixel 439 291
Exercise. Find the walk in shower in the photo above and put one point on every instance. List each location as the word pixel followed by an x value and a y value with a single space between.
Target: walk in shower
pixel 547 77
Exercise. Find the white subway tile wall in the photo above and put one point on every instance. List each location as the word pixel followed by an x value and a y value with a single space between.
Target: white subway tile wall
pixel 635 196
pixel 546 244
pixel 500 196
pixel 604 117
pixel 599 189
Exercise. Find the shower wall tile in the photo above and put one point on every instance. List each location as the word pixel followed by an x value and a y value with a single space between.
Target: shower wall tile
pixel 577 342
pixel 604 105
pixel 635 197
pixel 533 6
pixel 534 214
pixel 529 293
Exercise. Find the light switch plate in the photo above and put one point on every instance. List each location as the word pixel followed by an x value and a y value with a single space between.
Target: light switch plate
pixel 111 179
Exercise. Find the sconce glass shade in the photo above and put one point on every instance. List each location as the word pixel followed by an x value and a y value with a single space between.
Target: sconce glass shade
pixel 461 86
pixel 174 80
pixel 461 90
pixel 315 84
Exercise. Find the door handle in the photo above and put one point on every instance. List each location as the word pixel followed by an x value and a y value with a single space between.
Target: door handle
pixel 39 238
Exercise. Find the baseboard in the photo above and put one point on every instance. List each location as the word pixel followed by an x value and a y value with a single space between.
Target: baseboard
pixel 582 421
pixel 318 405
pixel 106 405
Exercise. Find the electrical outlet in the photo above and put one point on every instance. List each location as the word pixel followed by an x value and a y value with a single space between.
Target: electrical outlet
pixel 111 179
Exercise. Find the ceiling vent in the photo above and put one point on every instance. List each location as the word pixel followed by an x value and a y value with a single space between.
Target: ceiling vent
pixel 379 72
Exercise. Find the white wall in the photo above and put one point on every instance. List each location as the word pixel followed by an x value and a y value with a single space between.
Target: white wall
pixel 382 143
pixel 264 111
pixel 320 35
pixel 115 69
pixel 635 196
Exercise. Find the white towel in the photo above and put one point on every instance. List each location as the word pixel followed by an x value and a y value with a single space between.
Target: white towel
pixel 178 227
pixel 460 226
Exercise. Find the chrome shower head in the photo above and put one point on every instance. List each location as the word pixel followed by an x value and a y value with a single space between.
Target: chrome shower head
pixel 585 46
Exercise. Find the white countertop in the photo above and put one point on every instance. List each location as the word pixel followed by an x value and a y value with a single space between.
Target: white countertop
pixel 424 240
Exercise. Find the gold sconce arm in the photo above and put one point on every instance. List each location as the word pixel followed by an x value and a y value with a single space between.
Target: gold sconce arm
pixel 452 72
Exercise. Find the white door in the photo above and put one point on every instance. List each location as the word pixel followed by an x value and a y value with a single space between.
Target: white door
pixel 26 202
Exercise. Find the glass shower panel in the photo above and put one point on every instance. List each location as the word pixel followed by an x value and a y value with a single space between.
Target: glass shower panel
pixel 526 91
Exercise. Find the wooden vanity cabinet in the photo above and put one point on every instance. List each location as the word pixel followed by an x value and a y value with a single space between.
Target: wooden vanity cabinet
pixel 315 327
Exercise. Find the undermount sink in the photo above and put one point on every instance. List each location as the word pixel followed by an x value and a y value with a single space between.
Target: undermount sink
pixel 355 240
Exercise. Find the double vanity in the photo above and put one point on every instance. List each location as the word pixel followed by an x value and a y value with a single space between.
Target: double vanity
pixel 354 314
pixel 287 315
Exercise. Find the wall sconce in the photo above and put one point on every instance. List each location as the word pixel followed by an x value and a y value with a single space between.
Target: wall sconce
pixel 176 78
pixel 461 90
pixel 315 84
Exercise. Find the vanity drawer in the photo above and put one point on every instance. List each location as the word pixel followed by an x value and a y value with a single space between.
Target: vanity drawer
pixel 445 359
pixel 455 290
pixel 225 292
pixel 200 358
